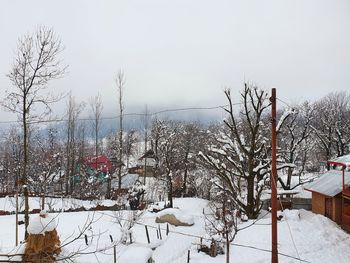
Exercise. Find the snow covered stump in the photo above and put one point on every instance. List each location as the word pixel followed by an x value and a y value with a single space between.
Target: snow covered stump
pixel 43 243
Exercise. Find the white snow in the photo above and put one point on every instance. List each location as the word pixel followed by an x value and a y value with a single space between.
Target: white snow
pixel 41 223
pixel 135 253
pixel 317 239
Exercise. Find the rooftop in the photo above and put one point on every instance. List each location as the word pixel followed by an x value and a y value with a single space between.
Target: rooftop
pixel 330 183
pixel 342 161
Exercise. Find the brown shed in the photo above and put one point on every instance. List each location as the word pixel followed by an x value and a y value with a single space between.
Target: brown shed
pixel 327 195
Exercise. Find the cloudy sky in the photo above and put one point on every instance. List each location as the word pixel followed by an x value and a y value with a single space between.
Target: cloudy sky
pixel 182 53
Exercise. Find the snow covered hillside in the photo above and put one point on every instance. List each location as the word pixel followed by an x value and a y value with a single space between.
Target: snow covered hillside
pixel 302 234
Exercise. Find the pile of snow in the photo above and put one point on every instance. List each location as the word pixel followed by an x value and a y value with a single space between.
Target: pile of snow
pixel 136 253
pixel 39 224
pixel 175 217
pixel 291 215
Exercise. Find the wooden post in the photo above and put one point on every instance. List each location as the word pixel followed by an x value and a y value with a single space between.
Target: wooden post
pixel 167 229
pixel 160 232
pixel 157 233
pixel 147 234
pixel 344 167
pixel 188 256
pixel 114 250
pixel 273 180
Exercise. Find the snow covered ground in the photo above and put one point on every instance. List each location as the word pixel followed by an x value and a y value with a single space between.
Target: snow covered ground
pixel 303 234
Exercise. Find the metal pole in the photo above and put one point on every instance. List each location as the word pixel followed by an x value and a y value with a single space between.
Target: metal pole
pixel 274 255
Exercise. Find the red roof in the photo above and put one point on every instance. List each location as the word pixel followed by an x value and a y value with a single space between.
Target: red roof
pixel 101 163
pixel 343 161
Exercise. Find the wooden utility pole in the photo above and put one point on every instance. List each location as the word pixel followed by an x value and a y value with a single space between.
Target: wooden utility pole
pixel 273 180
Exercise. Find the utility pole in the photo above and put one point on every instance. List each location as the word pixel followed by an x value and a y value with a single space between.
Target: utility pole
pixel 273 180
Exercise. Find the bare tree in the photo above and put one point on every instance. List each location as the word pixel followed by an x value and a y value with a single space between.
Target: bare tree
pixel 36 64
pixel 169 155
pixel 221 222
pixel 239 155
pixel 120 82
pixel 130 140
pixel 292 137
pixel 96 109
pixel 331 124
pixel 74 109
pixel 190 143
pixel 145 121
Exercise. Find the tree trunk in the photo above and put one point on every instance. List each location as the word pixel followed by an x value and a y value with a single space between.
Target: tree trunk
pixel 227 248
pixel 170 191
pixel 184 186
pixel 24 175
pixel 251 213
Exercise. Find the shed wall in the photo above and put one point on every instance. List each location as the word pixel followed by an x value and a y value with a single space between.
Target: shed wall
pixel 337 209
pixel 318 203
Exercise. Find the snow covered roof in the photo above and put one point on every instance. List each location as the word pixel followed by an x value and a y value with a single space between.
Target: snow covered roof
pixel 342 160
pixel 329 183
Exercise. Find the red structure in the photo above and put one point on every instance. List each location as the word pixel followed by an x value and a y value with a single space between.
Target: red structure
pixel 100 163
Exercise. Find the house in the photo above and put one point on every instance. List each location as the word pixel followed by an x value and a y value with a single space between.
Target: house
pixel 99 166
pixel 146 165
pixel 331 192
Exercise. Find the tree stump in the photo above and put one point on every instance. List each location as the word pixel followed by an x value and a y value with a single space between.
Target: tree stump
pixel 43 243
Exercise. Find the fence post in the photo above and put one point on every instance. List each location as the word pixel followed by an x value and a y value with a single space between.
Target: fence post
pixel 114 250
pixel 147 234
pixel 188 256
pixel 160 232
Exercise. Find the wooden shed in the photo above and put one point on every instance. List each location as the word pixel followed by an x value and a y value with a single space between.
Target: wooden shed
pixel 331 193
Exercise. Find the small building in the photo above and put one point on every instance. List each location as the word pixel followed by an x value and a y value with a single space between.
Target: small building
pixel 331 193
pixel 146 165
pixel 100 167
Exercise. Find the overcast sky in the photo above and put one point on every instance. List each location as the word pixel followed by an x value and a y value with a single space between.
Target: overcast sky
pixel 183 53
